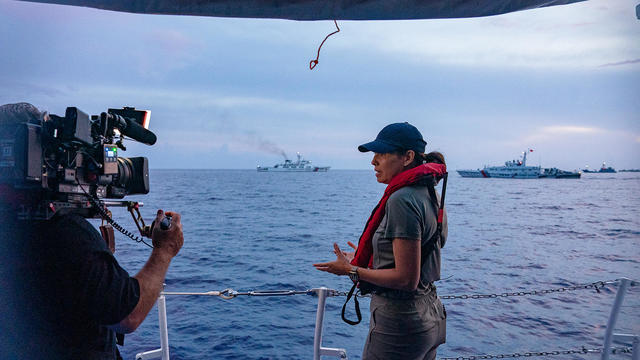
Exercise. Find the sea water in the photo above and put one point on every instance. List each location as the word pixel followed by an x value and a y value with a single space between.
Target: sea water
pixel 262 231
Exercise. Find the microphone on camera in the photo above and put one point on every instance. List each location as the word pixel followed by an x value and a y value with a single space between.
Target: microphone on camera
pixel 131 128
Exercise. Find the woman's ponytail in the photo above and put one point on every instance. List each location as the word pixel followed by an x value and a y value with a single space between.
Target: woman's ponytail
pixel 433 157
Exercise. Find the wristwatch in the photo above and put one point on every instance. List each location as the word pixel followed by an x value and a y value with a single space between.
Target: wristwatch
pixel 353 274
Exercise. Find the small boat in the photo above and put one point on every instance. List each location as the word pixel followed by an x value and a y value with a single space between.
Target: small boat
pixel 606 169
pixel 603 169
pixel 556 173
pixel 300 165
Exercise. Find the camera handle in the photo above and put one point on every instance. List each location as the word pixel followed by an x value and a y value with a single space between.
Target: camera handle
pixel 106 230
pixel 145 230
pixel 134 210
pixel 131 205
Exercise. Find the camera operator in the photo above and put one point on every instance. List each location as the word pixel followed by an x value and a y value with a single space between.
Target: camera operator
pixel 63 294
pixel 67 295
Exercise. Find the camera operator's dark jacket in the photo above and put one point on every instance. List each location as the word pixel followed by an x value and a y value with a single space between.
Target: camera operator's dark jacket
pixel 61 286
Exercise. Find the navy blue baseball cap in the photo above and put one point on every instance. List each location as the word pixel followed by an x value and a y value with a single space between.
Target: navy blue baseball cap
pixel 396 137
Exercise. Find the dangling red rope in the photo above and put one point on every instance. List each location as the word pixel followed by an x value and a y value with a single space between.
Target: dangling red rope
pixel 313 63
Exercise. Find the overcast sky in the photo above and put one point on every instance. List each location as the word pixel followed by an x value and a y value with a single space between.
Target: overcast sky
pixel 234 93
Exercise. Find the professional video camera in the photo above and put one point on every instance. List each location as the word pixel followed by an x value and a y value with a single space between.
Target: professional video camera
pixel 69 164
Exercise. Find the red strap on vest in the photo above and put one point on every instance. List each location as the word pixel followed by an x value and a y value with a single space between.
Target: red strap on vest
pixel 364 253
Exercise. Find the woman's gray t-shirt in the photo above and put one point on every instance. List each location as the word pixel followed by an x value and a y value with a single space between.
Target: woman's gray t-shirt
pixel 410 215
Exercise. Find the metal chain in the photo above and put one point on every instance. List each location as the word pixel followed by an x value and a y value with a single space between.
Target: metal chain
pixel 583 350
pixel 595 285
pixel 274 292
pixel 230 293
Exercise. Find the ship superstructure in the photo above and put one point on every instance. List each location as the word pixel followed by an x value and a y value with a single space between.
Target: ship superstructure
pixel 300 165
pixel 514 169
pixel 518 169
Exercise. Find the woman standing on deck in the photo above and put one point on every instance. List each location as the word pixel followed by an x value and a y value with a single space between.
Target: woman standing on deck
pixel 398 255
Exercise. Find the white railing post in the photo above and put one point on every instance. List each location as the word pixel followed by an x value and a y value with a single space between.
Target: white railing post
pixel 318 350
pixel 163 352
pixel 164 331
pixel 317 337
pixel 613 317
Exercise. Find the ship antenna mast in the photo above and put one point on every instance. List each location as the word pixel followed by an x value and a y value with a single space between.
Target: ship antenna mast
pixel 524 157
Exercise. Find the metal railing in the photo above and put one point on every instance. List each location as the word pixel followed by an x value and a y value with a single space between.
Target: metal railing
pixel 318 349
pixel 609 336
pixel 322 293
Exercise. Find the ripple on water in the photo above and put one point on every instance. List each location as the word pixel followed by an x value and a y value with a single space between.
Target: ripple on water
pixel 503 237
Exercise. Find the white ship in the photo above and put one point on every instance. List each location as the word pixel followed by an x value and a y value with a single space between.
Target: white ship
pixel 518 169
pixel 300 165
pixel 514 169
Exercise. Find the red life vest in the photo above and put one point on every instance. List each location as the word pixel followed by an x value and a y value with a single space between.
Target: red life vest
pixel 364 253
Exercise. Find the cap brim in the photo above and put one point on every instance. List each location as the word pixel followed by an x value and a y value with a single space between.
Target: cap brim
pixel 377 146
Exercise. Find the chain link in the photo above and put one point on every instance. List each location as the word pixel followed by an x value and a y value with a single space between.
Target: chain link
pixel 230 293
pixel 583 350
pixel 595 285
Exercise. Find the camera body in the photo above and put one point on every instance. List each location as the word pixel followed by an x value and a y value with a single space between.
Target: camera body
pixel 55 164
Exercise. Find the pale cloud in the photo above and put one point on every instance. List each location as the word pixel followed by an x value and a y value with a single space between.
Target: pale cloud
pixel 571 133
pixel 227 101
pixel 163 51
pixel 190 99
pixel 192 140
pixel 204 141
pixel 172 40
pixel 563 130
pixel 249 142
pixel 558 133
pixel 576 36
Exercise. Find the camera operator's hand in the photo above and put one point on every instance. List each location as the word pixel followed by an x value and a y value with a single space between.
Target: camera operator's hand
pixel 166 244
pixel 171 240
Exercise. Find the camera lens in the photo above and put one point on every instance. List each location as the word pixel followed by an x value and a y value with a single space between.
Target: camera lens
pixel 133 175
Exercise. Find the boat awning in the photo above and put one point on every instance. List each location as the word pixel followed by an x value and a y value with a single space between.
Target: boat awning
pixel 318 9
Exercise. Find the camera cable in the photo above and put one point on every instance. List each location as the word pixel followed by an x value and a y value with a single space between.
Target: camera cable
pixel 105 216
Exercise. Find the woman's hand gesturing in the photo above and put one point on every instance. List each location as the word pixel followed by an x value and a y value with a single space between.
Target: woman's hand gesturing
pixel 341 265
pixel 349 255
